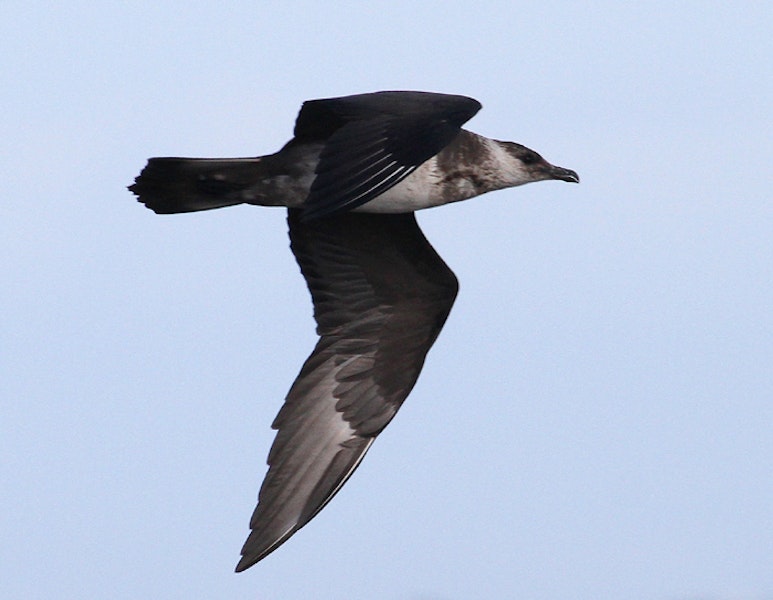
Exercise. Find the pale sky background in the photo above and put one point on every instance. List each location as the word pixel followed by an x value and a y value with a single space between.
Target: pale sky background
pixel 595 421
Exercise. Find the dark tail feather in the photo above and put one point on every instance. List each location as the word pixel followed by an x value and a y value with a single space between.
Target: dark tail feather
pixel 177 185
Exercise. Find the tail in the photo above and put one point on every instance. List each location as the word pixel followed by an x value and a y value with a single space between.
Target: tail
pixel 177 185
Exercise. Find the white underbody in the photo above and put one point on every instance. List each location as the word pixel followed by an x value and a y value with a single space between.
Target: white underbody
pixel 423 188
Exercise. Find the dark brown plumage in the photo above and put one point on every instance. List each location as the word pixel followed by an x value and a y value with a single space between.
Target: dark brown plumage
pixel 381 295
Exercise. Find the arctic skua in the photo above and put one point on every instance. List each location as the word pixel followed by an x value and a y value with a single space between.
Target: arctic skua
pixel 353 175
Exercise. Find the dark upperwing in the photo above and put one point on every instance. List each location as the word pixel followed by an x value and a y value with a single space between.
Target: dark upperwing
pixel 381 295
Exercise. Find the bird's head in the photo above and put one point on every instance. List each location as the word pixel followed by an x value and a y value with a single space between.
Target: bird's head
pixel 523 165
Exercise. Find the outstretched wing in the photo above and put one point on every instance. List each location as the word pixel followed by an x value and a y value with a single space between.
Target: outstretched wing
pixel 373 141
pixel 381 295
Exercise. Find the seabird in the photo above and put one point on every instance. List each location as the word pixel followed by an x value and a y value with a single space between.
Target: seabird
pixel 352 176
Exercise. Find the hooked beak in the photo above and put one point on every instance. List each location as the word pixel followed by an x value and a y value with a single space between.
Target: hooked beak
pixel 563 174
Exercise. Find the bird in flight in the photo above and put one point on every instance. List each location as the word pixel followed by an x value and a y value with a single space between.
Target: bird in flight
pixel 353 175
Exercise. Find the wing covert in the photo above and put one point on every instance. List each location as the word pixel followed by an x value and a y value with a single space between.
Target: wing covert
pixel 374 141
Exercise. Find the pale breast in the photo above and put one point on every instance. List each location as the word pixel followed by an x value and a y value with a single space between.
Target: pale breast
pixel 427 186
pixel 467 167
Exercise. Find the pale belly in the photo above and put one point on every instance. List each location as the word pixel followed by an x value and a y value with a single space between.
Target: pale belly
pixel 421 189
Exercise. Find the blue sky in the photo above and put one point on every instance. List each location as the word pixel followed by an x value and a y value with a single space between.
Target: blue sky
pixel 595 421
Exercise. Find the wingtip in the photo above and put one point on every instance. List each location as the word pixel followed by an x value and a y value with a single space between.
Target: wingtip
pixel 244 564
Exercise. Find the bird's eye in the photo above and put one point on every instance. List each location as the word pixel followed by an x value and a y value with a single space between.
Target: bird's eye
pixel 529 158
